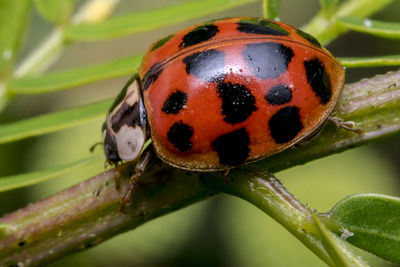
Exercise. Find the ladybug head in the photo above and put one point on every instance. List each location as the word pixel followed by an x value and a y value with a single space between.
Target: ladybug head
pixel 124 131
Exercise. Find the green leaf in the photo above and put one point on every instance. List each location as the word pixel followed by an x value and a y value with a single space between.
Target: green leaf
pixel 14 17
pixel 336 248
pixel 374 27
pixel 149 20
pixel 271 9
pixel 55 11
pixel 373 222
pixel 329 6
pixel 52 122
pixel 360 62
pixel 31 178
pixel 60 80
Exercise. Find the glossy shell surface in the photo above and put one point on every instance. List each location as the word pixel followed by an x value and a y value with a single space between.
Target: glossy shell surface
pixel 227 92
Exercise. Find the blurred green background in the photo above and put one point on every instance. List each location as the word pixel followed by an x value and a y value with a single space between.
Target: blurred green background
pixel 222 231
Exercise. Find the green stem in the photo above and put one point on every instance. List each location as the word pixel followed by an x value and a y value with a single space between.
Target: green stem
pixel 263 190
pixel 324 26
pixel 88 213
pixel 43 55
pixel 48 51
pixel 3 97
pixel 265 9
pixel 270 9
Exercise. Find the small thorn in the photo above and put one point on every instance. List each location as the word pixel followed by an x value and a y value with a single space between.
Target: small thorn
pixel 117 178
pixel 347 125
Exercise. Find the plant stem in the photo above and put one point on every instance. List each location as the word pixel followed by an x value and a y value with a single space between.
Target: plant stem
pixel 88 213
pixel 43 55
pixel 2 95
pixel 48 51
pixel 263 190
pixel 324 27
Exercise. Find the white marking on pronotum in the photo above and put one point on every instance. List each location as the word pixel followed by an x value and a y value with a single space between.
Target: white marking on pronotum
pixel 131 97
pixel 132 94
pixel 130 141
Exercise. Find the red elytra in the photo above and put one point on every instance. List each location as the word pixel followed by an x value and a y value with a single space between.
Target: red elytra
pixel 232 91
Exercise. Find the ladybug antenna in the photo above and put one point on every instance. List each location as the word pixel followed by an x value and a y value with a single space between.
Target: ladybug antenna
pixel 91 149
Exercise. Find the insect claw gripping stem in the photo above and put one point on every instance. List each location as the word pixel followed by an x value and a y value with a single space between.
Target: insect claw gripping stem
pixel 347 125
pixel 117 177
pixel 144 162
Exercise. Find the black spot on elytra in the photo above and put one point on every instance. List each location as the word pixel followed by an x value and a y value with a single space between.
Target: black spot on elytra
pixel 199 34
pixel 268 59
pixel 237 102
pixel 261 26
pixel 207 65
pixel 174 102
pixel 151 75
pixel 308 37
pixel 232 148
pixel 278 95
pixel 161 42
pixel 285 124
pixel 179 134
pixel 22 243
pixel 318 79
pixel 126 115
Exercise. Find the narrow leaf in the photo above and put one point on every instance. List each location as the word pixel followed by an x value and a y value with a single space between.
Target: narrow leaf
pixel 365 62
pixel 52 122
pixel 55 11
pixel 374 27
pixel 373 220
pixel 149 20
pixel 31 178
pixel 13 21
pixel 336 248
pixel 65 79
pixel 271 9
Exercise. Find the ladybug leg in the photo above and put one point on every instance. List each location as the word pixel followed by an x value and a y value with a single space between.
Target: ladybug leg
pixel 224 174
pixel 347 125
pixel 117 172
pixel 144 162
pixel 117 177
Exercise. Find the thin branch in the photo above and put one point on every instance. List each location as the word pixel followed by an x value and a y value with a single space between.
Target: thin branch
pixel 325 28
pixel 49 50
pixel 263 190
pixel 88 213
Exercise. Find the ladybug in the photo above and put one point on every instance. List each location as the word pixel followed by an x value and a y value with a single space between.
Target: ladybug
pixel 222 94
